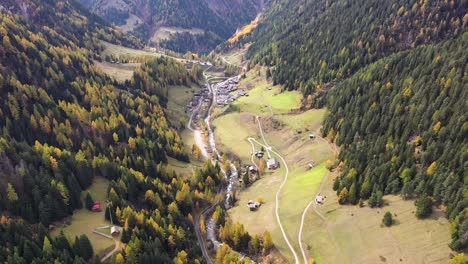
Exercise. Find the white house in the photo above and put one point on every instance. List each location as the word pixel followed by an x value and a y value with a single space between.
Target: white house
pixel 272 164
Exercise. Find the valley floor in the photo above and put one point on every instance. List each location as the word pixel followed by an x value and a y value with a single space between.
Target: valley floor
pixel 331 233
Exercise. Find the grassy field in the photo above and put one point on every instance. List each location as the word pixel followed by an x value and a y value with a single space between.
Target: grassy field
pixel 355 235
pixel 302 184
pixel 165 32
pixel 311 120
pixel 235 56
pixel 124 71
pixel 178 97
pixel 116 50
pixel 120 72
pixel 183 168
pixel 84 221
pixel 350 234
pixel 132 22
pixel 232 131
pixel 262 96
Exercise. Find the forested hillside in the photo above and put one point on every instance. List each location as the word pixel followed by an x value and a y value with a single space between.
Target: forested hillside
pixel 217 19
pixel 312 43
pixel 402 127
pixel 62 123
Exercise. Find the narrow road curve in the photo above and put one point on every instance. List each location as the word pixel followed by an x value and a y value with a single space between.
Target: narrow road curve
pixel 200 237
pixel 227 62
pixel 118 247
pixel 252 157
pixel 304 213
pixel 269 148
pixel 313 204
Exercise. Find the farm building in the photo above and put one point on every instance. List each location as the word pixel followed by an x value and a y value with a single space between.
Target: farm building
pixel 319 199
pixel 115 231
pixel 259 154
pixel 272 164
pixel 252 169
pixel 312 136
pixel 253 205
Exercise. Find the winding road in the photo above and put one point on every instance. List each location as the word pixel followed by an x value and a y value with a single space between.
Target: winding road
pixel 278 220
pixel 201 144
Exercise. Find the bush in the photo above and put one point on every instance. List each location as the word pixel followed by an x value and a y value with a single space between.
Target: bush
pixel 387 219
pixel 260 200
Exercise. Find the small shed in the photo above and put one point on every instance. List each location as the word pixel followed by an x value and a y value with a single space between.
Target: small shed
pixel 319 199
pixel 115 231
pixel 259 154
pixel 312 136
pixel 272 164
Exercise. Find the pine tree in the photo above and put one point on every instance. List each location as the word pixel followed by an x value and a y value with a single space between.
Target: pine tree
pixel 246 179
pixel 376 199
pixel 77 247
pixel 343 196
pixel 86 248
pixel 352 197
pixel 268 73
pixel 267 242
pixel 11 193
pixel 47 246
pixel 423 206
pixel 89 201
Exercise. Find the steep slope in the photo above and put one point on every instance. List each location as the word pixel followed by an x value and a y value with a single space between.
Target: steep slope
pixel 217 20
pixel 403 127
pixel 62 123
pixel 312 43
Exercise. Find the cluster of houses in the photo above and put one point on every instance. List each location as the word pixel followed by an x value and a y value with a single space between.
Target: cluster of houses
pixel 227 92
pixel 204 97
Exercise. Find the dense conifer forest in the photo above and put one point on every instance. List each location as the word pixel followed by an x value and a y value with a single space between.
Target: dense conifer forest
pixel 313 43
pixel 63 123
pixel 402 129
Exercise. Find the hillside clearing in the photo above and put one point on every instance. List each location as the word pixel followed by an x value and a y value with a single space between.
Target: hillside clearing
pixel 356 235
pixel 116 50
pixel 311 120
pixel 120 72
pixel 232 131
pixel 265 99
pixel 164 33
pixel 84 221
pixel 178 97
